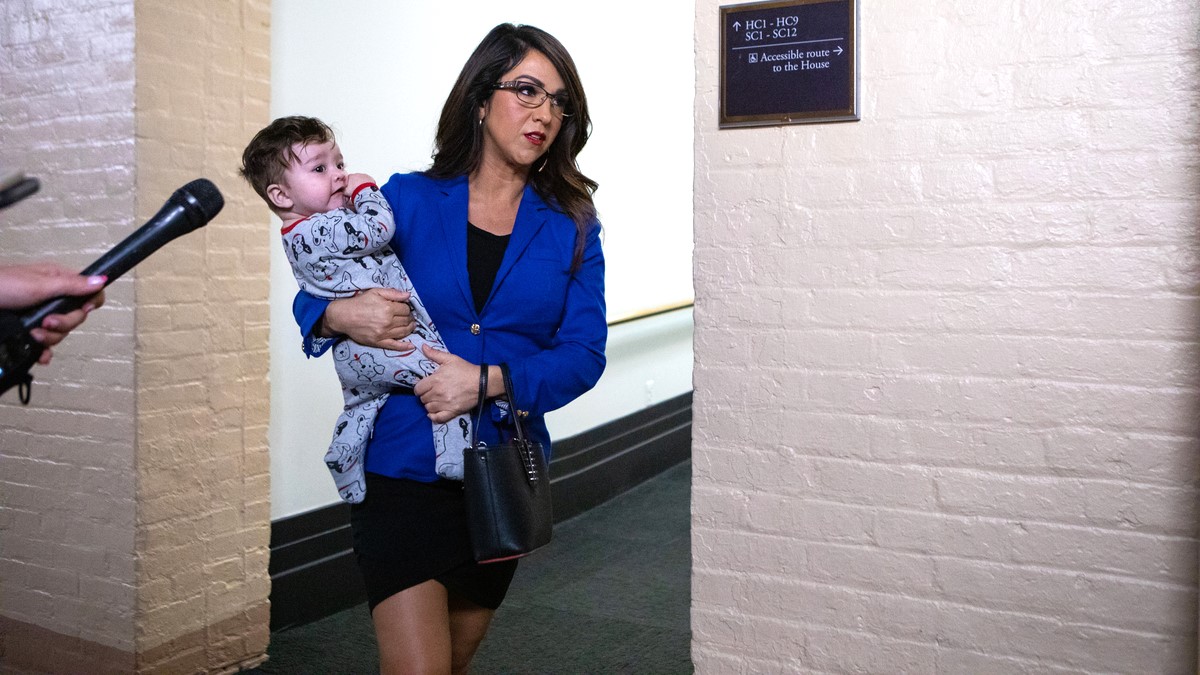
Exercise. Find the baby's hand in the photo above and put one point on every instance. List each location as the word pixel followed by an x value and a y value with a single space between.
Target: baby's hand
pixel 355 181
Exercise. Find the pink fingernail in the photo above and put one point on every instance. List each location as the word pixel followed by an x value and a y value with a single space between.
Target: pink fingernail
pixel 98 280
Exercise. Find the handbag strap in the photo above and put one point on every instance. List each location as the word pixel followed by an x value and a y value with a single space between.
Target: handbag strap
pixel 483 383
pixel 514 411
pixel 512 403
pixel 527 448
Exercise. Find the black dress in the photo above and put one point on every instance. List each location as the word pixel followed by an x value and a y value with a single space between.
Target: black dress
pixel 407 532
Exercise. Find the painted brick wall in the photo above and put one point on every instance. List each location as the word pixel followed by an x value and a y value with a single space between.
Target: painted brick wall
pixel 203 90
pixel 134 493
pixel 67 505
pixel 957 429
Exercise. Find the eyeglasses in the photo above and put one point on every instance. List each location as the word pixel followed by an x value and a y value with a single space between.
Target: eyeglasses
pixel 533 96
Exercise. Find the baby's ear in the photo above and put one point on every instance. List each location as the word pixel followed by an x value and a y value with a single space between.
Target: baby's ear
pixel 279 196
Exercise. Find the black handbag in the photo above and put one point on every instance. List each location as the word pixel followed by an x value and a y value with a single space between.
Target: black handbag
pixel 507 488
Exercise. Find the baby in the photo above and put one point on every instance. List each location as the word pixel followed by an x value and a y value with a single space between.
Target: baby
pixel 336 229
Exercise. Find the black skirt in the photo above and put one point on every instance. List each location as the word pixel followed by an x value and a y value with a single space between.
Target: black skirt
pixel 407 532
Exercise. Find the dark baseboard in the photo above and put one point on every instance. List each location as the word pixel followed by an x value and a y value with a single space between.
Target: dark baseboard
pixel 595 466
pixel 312 566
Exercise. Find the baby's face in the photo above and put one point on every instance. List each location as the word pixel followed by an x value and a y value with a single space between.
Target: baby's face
pixel 316 180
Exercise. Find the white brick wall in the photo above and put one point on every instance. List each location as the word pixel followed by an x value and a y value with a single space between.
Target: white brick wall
pixel 134 492
pixel 66 461
pixel 957 429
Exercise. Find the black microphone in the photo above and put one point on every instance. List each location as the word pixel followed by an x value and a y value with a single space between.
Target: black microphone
pixel 189 208
pixel 15 187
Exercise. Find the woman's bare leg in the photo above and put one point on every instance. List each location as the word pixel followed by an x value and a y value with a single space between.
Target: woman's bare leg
pixel 413 629
pixel 423 630
pixel 468 624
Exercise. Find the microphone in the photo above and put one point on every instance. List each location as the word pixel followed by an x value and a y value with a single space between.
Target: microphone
pixel 189 208
pixel 15 186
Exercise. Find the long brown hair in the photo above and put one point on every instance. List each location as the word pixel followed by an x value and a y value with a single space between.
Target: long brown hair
pixel 458 147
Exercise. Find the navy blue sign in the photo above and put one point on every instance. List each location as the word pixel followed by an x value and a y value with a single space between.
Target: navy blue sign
pixel 789 62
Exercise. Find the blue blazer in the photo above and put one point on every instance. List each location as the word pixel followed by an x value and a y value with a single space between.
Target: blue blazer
pixel 547 323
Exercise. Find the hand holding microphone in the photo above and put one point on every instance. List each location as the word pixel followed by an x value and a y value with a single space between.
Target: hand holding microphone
pixel 189 208
pixel 24 286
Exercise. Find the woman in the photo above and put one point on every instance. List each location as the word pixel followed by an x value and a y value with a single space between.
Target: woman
pixel 501 239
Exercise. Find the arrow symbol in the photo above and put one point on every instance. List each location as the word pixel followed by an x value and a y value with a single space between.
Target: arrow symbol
pixel 839 51
pixel 737 25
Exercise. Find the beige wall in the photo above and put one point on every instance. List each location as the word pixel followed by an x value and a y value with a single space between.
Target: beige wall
pixel 958 429
pixel 203 90
pixel 134 495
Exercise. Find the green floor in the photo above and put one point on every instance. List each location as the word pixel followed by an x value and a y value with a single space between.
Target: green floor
pixel 610 594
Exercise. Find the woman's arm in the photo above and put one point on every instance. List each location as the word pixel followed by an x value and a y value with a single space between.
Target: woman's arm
pixel 453 389
pixel 575 360
pixel 377 317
